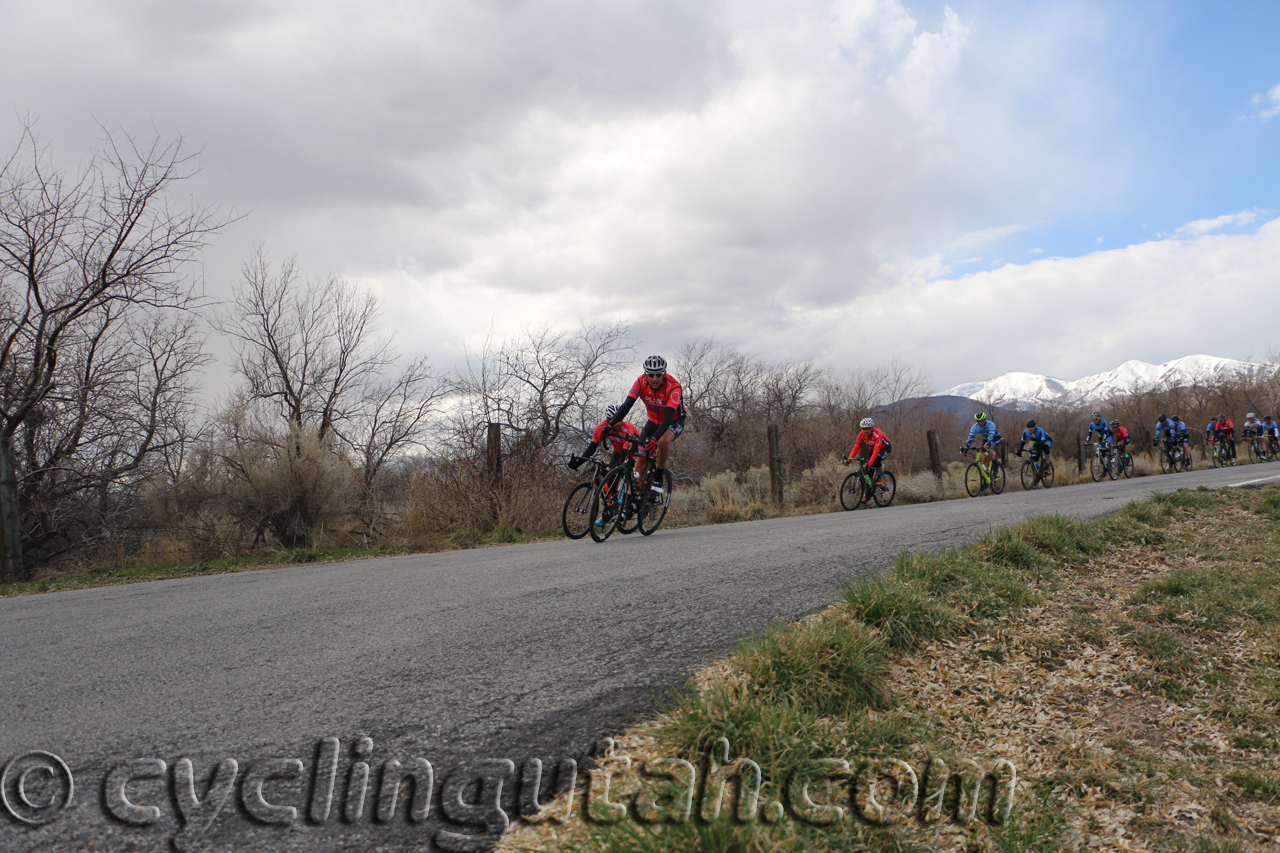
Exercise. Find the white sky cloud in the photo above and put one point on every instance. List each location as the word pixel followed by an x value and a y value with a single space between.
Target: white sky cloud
pixel 987 235
pixel 1271 100
pixel 760 170
pixel 1206 226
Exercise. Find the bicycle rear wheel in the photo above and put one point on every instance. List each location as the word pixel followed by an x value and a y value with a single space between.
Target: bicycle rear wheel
pixel 884 491
pixel 851 492
pixel 652 512
pixel 997 477
pixel 1028 475
pixel 973 479
pixel 606 504
pixel 576 516
pixel 1046 473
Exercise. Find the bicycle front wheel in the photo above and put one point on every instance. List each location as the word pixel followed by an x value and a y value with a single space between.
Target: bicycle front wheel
pixel 607 503
pixel 1216 458
pixel 1168 464
pixel 653 511
pixel 885 490
pixel 1126 466
pixel 973 479
pixel 576 516
pixel 1046 473
pixel 997 477
pixel 1028 475
pixel 1186 462
pixel 1096 469
pixel 1113 466
pixel 851 492
pixel 1253 453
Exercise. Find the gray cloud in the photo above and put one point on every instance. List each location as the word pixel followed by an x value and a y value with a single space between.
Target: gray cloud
pixel 758 171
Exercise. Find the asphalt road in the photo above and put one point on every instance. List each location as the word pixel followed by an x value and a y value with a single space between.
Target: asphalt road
pixel 510 653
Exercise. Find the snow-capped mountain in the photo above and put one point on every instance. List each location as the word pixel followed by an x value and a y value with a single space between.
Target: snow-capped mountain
pixel 1027 390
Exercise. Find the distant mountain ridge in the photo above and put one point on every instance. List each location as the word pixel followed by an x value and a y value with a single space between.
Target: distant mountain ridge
pixel 1028 390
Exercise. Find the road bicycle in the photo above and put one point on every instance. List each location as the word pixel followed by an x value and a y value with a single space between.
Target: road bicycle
pixel 626 503
pixel 1104 462
pixel 858 486
pixel 979 477
pixel 1037 471
pixel 575 518
pixel 1221 456
pixel 1173 457
pixel 1258 451
pixel 1126 463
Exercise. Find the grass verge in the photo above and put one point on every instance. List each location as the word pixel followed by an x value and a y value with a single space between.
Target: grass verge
pixel 1128 668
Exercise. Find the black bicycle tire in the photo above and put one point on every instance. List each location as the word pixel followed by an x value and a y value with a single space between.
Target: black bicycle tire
pixel 997 476
pixel 586 490
pixel 1046 474
pixel 630 522
pixel 1126 466
pixel 1168 465
pixel 1113 467
pixel 601 532
pixel 973 492
pixel 647 506
pixel 1096 469
pixel 1029 482
pixel 892 486
pixel 855 494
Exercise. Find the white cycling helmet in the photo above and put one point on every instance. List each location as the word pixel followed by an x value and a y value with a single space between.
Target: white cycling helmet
pixel 866 423
pixel 1251 416
pixel 655 364
pixel 611 411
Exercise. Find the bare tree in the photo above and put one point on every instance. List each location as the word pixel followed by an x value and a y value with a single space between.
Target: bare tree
pixel 542 382
pixel 313 354
pixel 79 256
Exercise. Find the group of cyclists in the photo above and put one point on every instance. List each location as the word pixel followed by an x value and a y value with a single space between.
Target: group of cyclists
pixel 662 396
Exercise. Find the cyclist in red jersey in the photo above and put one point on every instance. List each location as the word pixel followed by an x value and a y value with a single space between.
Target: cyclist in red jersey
pixel 1225 432
pixel 879 447
pixel 664 402
pixel 623 439
pixel 1120 434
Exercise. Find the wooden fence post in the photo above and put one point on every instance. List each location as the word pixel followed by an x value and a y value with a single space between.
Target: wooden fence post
pixel 1079 454
pixel 935 458
pixel 775 465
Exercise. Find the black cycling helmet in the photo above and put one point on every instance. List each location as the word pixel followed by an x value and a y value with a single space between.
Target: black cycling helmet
pixel 1031 424
pixel 1097 416
pixel 1115 424
pixel 1163 418
pixel 1175 418
pixel 1222 417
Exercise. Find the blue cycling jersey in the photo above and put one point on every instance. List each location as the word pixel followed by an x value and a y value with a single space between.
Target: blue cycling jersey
pixel 1182 430
pixel 1271 427
pixel 986 429
pixel 1037 434
pixel 1164 428
pixel 1103 429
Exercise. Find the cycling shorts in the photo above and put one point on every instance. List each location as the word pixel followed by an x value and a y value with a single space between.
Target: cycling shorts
pixel 651 429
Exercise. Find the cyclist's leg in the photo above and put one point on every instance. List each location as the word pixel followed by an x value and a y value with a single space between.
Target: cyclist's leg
pixel 642 461
pixel 877 470
pixel 664 443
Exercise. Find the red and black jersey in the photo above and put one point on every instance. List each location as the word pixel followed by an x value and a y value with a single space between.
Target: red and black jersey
pixel 1226 429
pixel 622 438
pixel 877 440
pixel 1121 433
pixel 668 395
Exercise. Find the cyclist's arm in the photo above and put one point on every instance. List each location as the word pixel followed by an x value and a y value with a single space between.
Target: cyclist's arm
pixel 857 445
